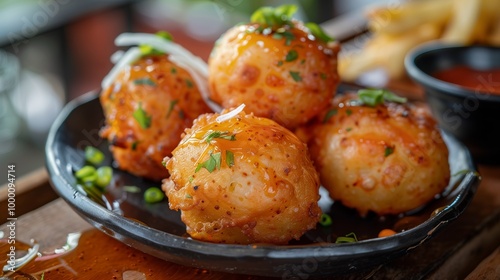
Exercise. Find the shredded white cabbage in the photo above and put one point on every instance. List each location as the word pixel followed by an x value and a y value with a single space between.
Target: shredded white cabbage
pixel 230 114
pixel 196 67
pixel 116 56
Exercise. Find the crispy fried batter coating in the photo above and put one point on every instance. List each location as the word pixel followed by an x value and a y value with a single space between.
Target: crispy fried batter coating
pixel 243 180
pixel 387 159
pixel 147 108
pixel 289 77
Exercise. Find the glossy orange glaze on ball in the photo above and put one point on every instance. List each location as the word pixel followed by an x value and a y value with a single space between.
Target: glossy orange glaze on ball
pixel 267 194
pixel 167 94
pixel 252 68
pixel 387 159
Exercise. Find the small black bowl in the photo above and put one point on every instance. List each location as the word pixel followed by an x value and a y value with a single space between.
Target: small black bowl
pixel 472 116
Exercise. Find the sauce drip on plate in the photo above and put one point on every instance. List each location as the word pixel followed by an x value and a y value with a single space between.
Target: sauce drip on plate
pixel 487 81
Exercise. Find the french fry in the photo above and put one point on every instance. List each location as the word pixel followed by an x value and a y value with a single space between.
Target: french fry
pixel 385 51
pixel 462 26
pixel 400 19
pixel 397 29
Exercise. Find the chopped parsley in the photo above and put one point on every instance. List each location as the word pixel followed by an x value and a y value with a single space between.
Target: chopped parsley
pixel 374 97
pixel 296 76
pixel 329 115
pixel 220 134
pixel 280 63
pixel 171 107
pixel 173 70
pixel 274 17
pixel 142 118
pixel 210 164
pixel 134 145
pixel 144 81
pixel 291 56
pixel 318 32
pixel 348 112
pixel 388 151
pixel 189 83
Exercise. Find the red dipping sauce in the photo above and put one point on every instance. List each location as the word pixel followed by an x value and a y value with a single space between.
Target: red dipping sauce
pixel 484 81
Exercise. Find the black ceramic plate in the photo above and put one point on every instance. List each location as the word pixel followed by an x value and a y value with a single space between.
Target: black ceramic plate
pixel 159 231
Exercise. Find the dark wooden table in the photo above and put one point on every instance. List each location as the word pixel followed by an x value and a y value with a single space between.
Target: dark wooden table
pixel 468 247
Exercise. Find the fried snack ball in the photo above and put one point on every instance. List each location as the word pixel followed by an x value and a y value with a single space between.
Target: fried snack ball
pixel 387 159
pixel 288 77
pixel 243 180
pixel 146 109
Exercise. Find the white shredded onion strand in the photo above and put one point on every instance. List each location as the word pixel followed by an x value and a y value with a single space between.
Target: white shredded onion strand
pixel 231 114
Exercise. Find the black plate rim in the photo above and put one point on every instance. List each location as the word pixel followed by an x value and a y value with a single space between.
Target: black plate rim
pixel 177 248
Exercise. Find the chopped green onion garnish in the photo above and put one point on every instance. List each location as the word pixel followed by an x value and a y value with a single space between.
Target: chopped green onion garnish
pixel 142 118
pixel 374 97
pixel 348 112
pixel 349 238
pixel 153 195
pixel 132 189
pixel 93 155
pixel 318 32
pixel 86 174
pixel 229 158
pixel 325 220
pixel 104 176
pixel 296 76
pixel 189 83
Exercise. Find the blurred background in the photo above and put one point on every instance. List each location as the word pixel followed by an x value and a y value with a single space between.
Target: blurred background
pixel 52 51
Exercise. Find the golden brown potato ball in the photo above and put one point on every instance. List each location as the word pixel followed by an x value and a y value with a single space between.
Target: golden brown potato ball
pixel 243 180
pixel 283 73
pixel 147 108
pixel 387 159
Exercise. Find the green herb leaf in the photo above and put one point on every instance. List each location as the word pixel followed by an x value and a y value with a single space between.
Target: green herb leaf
pixel 374 97
pixel 280 63
pixel 291 56
pixel 144 81
pixel 142 118
pixel 229 158
pixel 349 238
pixel 189 83
pixel 173 70
pixel 318 32
pixel 325 220
pixel 296 76
pixel 388 151
pixel 220 134
pixel 348 112
pixel 274 17
pixel 329 115
pixel 210 164
pixel 171 107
